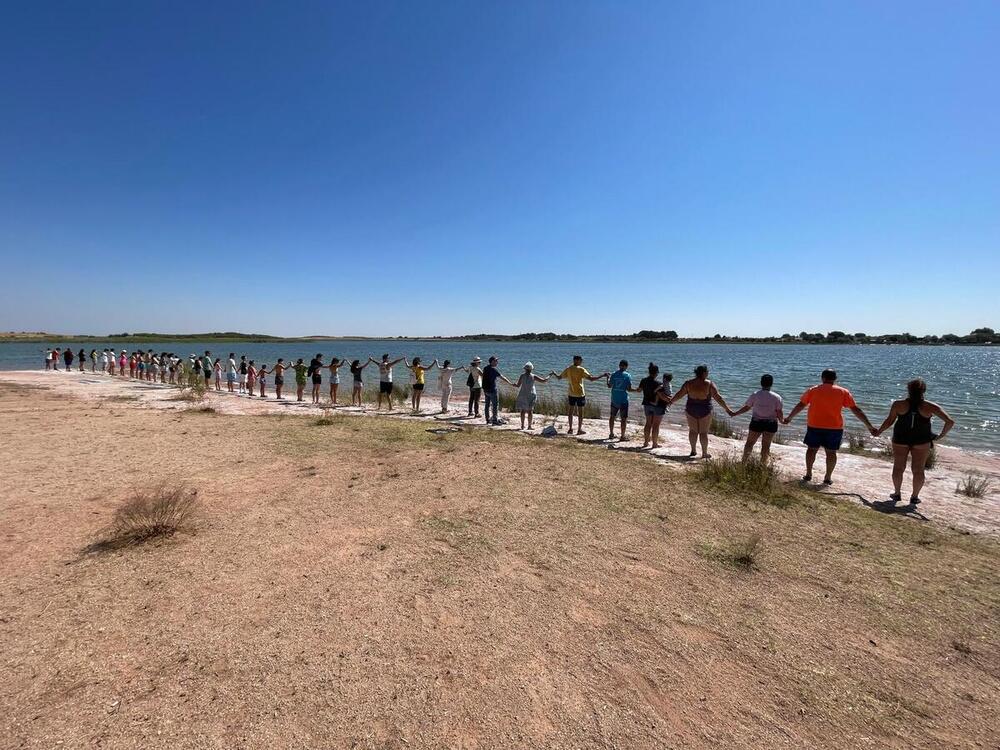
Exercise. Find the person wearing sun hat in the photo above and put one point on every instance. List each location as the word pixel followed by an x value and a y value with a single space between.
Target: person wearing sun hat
pixel 475 383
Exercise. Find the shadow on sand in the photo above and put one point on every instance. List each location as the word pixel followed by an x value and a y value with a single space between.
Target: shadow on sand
pixel 884 506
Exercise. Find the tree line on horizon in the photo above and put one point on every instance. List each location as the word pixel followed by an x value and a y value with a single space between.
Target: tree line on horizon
pixel 979 336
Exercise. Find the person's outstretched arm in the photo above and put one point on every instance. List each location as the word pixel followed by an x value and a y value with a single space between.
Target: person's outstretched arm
pixel 397 361
pixel 795 412
pixel 540 379
pixel 856 411
pixel 722 402
pixel 889 419
pixel 941 414
pixel 504 379
pixel 683 391
pixel 744 409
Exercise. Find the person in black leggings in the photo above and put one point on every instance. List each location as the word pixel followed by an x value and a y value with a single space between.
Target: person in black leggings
pixel 912 437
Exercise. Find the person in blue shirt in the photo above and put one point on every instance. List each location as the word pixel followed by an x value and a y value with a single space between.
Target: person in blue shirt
pixel 620 383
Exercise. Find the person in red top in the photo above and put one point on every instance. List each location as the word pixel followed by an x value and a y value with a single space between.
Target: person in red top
pixel 825 421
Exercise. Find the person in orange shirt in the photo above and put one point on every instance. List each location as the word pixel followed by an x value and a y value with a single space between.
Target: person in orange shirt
pixel 825 421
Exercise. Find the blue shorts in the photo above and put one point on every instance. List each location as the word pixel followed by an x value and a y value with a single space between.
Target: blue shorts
pixel 619 410
pixel 577 400
pixel 230 377
pixel 817 437
pixel 654 410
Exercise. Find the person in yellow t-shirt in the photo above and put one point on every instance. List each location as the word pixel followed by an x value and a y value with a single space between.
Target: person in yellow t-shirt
pixel 576 374
pixel 417 378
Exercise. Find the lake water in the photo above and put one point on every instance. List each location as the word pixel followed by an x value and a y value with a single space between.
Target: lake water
pixel 964 380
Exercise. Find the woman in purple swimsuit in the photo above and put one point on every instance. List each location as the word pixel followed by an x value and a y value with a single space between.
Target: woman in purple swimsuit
pixel 700 391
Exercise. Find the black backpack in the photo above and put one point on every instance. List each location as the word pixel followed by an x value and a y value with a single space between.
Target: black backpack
pixel 470 381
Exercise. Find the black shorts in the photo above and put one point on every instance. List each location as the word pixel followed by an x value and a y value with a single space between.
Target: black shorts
pixel 317 379
pixel 577 400
pixel 820 437
pixel 279 379
pixel 764 425
pixel 384 387
pixel 208 375
pixel 418 386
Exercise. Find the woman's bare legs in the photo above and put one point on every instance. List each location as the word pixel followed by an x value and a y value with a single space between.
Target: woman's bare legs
pixel 899 455
pixel 751 442
pixel 647 429
pixel 765 446
pixel 918 460
pixel 692 434
pixel 656 430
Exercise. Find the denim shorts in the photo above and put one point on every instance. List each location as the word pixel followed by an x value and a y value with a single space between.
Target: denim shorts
pixel 652 410
pixel 619 410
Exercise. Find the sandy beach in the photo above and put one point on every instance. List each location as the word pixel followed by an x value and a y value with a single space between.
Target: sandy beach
pixel 363 581
pixel 860 479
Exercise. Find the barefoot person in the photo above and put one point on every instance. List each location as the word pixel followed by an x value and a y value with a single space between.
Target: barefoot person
pixel 262 372
pixel 335 364
pixel 445 374
pixel 825 421
pixel 232 372
pixel 385 379
pixel 912 438
pixel 620 383
pixel 655 397
pixel 577 399
pixel 526 395
pixel 700 392
pixel 418 377
pixel 279 378
pixel 251 377
pixel 359 384
pixel 315 372
pixel 301 372
pixel 766 406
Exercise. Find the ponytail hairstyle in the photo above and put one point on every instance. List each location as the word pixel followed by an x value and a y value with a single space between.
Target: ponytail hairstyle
pixel 653 370
pixel 915 390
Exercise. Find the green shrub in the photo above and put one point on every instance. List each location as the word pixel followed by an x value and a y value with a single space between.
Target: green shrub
pixel 973 485
pixel 753 477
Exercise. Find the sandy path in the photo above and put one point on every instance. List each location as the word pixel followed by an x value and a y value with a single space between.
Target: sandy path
pixel 858 478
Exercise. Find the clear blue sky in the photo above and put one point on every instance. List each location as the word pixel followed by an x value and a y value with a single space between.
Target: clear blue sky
pixel 444 168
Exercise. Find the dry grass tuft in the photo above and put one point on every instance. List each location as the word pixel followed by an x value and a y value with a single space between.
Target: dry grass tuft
pixel 157 512
pixel 736 553
pixel 973 485
pixel 756 479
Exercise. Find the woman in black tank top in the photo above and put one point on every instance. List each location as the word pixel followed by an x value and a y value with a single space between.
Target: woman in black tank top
pixel 912 438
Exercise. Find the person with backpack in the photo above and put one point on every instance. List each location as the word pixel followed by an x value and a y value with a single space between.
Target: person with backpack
pixel 475 384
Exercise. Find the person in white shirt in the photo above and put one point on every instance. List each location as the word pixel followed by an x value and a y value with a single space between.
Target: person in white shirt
pixel 444 382
pixel 764 420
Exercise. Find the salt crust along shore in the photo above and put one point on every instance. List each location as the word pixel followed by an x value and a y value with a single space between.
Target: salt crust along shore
pixel 859 479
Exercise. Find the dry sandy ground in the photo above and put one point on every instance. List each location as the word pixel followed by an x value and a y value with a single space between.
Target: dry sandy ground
pixel 862 479
pixel 367 583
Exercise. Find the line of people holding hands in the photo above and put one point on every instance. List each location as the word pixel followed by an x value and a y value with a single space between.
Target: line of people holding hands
pixel 910 417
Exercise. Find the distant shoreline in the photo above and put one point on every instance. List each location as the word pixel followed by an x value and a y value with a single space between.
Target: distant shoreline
pixel 232 337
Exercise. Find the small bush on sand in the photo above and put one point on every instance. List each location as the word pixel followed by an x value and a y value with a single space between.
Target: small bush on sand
pixel 755 478
pixel 722 428
pixel 194 391
pixel 973 485
pixel 737 553
pixel 159 511
pixel 326 420
pixel 856 443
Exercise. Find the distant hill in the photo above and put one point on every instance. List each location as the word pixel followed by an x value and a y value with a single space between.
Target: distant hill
pixel 980 336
